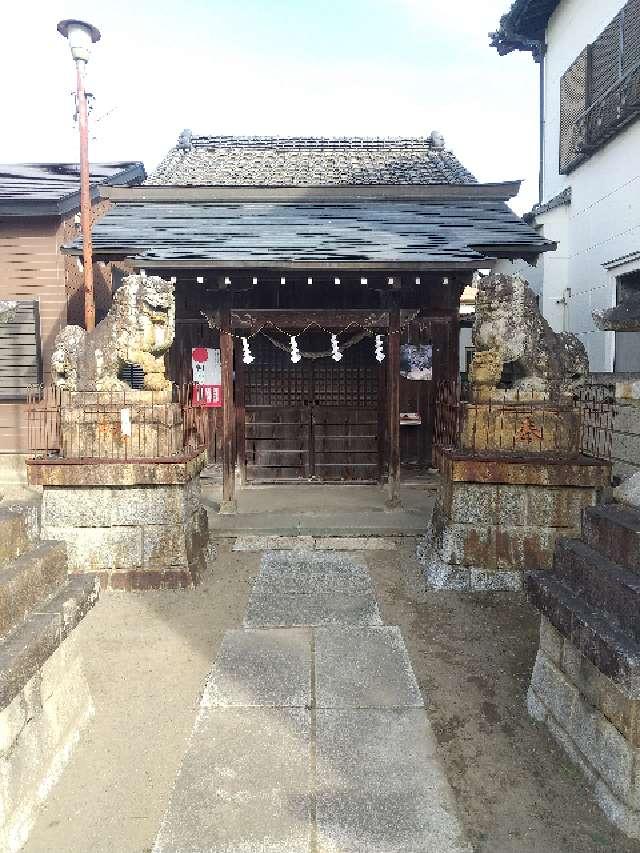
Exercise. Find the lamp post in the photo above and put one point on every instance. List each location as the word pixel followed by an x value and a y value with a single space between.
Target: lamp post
pixel 81 36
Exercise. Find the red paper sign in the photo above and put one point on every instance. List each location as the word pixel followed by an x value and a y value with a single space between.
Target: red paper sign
pixel 207 396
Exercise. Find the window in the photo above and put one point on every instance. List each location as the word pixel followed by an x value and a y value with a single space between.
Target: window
pixel 20 355
pixel 600 91
pixel 627 359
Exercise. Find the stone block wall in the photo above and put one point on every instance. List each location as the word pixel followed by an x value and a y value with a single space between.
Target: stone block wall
pixel 133 537
pixel 39 729
pixel 596 721
pixel 485 535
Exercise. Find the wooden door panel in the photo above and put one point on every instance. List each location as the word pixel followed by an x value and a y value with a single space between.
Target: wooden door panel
pixel 276 443
pixel 345 444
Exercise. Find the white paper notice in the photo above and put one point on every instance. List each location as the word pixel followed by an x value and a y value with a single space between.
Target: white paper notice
pixel 125 422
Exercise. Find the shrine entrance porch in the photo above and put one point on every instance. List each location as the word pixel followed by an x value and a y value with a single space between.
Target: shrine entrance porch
pixel 318 512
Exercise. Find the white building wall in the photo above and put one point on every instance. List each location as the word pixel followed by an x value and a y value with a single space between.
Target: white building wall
pixel 603 221
pixel 465 342
pixel 556 299
pixel 533 275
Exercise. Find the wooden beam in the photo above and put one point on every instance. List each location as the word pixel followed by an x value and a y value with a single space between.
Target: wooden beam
pixel 176 264
pixel 228 416
pixel 300 317
pixel 393 405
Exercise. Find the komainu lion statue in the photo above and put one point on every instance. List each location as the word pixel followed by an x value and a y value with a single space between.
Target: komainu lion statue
pixel 509 330
pixel 138 329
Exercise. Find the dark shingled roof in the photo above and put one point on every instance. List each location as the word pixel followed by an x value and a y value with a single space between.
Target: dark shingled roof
pixel 300 161
pixel 524 26
pixel 51 189
pixel 461 231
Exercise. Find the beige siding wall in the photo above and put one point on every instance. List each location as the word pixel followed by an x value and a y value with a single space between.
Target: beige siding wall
pixel 31 268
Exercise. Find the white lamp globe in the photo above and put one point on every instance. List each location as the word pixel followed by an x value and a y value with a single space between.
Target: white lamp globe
pixel 80 36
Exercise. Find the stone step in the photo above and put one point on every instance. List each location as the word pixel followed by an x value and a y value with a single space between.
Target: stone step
pixel 595 634
pixel 29 581
pixel 614 530
pixel 602 583
pixel 14 535
pixel 322 543
pixel 31 643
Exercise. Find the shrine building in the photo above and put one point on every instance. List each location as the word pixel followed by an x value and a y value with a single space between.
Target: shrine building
pixel 314 265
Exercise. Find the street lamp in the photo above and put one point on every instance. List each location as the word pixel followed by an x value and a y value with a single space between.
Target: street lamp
pixel 81 36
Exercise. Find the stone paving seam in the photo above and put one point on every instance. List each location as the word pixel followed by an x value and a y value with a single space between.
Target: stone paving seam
pixel 313 758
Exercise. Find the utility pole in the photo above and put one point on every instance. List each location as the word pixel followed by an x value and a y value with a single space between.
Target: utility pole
pixel 81 36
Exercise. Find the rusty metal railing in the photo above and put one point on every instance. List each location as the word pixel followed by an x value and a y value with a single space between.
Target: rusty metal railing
pixel 518 422
pixel 447 415
pixel 597 405
pixel 116 425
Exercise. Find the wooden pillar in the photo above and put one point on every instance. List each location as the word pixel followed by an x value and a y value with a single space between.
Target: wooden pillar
pixel 456 285
pixel 228 415
pixel 393 404
pixel 382 422
pixel 241 373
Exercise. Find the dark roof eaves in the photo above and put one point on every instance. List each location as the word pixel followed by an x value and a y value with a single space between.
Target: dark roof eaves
pixel 70 203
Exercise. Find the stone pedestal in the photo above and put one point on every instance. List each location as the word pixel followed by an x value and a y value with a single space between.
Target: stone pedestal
pixel 138 525
pixel 498 515
pixel 585 684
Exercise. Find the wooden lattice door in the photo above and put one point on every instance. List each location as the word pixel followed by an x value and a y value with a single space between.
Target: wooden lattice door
pixel 315 421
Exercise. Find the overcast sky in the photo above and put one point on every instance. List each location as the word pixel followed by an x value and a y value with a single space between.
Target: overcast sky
pixel 337 67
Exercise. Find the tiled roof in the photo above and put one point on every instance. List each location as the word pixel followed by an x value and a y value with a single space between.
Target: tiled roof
pixel 302 161
pixel 563 198
pixel 524 26
pixel 53 188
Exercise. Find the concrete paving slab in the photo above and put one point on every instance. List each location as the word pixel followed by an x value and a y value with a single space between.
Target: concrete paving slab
pixel 243 785
pixel 314 557
pixel 265 667
pixel 291 523
pixel 305 572
pixel 364 668
pixel 380 786
pixel 326 543
pixel 355 543
pixel 267 609
pixel 264 543
pixel 326 498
